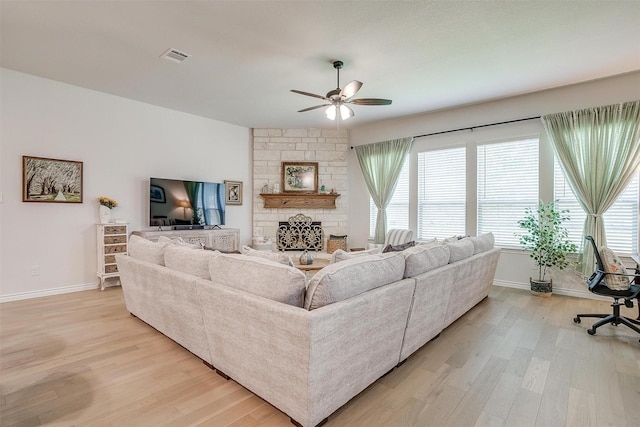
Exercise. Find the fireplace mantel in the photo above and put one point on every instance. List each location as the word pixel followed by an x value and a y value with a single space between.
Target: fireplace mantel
pixel 296 201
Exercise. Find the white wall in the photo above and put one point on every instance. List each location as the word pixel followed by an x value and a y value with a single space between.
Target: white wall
pixel 122 143
pixel 515 267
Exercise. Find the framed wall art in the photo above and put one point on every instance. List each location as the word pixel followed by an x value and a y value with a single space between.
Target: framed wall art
pixel 51 180
pixel 233 192
pixel 299 177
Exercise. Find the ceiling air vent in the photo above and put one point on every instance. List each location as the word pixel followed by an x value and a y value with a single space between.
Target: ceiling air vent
pixel 174 55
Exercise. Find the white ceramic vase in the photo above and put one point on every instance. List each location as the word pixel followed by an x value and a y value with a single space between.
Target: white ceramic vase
pixel 105 214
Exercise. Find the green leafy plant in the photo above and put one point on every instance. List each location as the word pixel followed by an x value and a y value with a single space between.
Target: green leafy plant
pixel 546 238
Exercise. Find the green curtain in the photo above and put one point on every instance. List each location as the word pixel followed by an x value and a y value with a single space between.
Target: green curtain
pixel 381 164
pixel 599 151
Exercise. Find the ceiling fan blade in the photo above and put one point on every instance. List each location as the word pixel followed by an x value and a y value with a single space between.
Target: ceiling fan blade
pixel 370 101
pixel 313 108
pixel 350 89
pixel 308 94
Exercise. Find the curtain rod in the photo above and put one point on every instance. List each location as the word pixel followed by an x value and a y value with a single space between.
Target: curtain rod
pixel 471 128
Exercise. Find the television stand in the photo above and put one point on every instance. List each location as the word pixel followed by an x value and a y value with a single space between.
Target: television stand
pixel 188 227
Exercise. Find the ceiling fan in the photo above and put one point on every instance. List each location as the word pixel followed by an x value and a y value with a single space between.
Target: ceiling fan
pixel 338 98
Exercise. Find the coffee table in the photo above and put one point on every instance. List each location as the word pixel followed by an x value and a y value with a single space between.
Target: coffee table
pixel 318 264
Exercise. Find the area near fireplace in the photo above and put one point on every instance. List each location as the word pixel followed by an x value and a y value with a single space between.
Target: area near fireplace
pixel 328 147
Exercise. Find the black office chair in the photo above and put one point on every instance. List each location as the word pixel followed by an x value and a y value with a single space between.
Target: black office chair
pixel 597 286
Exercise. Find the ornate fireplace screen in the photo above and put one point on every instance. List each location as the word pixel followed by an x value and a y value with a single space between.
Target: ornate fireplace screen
pixel 299 233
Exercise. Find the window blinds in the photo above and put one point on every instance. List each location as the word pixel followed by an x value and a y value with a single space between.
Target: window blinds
pixel 441 193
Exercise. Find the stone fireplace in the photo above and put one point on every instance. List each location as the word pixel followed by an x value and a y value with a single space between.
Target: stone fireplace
pixel 328 147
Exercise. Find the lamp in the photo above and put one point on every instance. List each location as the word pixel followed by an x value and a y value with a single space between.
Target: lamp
pixel 184 204
pixel 332 111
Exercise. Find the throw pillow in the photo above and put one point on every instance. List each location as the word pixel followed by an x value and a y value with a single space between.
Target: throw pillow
pixel 189 260
pixel 398 248
pixel 423 258
pixel 342 280
pixel 612 264
pixel 460 249
pixel 482 243
pixel 340 255
pixel 272 256
pixel 146 250
pixel 259 276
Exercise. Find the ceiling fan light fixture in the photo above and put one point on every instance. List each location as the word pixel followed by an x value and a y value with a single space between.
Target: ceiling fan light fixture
pixel 338 98
pixel 331 112
pixel 345 112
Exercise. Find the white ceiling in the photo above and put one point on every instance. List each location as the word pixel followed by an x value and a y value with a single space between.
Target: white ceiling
pixel 247 55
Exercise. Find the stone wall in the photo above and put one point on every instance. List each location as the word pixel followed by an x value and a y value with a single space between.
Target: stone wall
pixel 328 147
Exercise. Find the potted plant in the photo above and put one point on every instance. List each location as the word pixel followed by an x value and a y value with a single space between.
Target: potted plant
pixel 548 241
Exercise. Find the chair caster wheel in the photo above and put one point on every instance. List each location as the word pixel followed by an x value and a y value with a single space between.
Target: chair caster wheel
pixel 576 320
pixel 591 331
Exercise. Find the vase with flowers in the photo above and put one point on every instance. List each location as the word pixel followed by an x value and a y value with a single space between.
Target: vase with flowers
pixel 106 204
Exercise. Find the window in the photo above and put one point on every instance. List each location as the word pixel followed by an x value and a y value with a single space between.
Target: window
pixel 507 184
pixel 398 208
pixel 441 193
pixel 620 221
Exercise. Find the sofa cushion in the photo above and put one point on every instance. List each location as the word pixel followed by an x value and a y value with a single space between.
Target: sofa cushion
pixel 482 243
pixel 460 249
pixel 259 276
pixel 349 278
pixel 612 264
pixel 398 248
pixel 422 258
pixel 146 250
pixel 340 255
pixel 189 260
pixel 272 256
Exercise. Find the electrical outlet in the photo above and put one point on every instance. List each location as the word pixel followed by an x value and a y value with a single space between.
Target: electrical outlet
pixel 35 270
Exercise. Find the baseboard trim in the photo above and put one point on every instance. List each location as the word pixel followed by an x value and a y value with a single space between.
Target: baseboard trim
pixel 560 291
pixel 48 292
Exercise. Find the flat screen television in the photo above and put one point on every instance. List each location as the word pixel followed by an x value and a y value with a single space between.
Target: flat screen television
pixel 186 204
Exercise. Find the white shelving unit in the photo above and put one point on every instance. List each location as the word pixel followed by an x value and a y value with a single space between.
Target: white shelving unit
pixel 112 239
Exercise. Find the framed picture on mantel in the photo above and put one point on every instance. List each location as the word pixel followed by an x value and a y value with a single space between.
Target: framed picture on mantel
pixel 300 177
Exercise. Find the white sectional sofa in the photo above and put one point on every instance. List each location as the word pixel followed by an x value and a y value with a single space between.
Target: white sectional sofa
pixel 307 348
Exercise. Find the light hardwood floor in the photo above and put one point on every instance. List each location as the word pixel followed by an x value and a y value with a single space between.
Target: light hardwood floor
pixel 514 360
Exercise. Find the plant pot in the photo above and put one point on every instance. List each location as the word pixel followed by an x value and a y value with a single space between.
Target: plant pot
pixel 541 288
